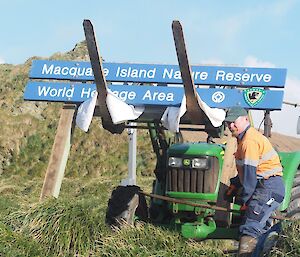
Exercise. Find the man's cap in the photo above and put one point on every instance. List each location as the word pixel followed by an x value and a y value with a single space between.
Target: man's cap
pixel 234 112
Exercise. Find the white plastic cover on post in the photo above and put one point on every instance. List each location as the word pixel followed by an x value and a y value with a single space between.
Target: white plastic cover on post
pixel 172 115
pixel 85 113
pixel 121 111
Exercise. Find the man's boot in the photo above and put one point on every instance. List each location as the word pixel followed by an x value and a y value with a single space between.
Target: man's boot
pixel 247 246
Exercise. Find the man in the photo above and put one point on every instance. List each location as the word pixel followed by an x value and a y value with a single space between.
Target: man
pixel 259 177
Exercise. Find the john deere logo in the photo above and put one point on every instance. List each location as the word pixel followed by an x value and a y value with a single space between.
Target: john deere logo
pixel 254 96
pixel 186 162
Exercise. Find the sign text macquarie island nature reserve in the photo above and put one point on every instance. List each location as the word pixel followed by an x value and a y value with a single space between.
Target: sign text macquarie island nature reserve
pixel 78 88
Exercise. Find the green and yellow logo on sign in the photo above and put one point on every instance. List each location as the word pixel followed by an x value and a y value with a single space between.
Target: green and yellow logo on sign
pixel 254 96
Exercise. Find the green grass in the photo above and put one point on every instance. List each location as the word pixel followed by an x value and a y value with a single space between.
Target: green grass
pixel 66 228
pixel 148 240
pixel 288 243
pixel 73 225
pixel 14 244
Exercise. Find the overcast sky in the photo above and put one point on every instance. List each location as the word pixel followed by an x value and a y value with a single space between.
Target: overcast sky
pixel 258 33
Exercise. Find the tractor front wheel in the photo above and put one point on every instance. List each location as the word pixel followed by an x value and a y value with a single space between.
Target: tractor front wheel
pixel 126 204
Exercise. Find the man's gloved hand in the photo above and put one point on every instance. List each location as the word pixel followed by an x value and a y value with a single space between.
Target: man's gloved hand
pixel 243 208
pixel 230 193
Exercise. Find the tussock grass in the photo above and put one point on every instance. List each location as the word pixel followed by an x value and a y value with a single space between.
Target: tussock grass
pixel 149 240
pixel 63 227
pixel 289 242
pixel 7 205
pixel 14 244
pixel 73 225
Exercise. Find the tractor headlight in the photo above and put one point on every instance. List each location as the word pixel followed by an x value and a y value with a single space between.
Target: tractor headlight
pixel 175 162
pixel 200 163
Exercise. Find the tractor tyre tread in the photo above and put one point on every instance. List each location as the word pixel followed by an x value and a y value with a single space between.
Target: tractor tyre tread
pixel 293 210
pixel 125 203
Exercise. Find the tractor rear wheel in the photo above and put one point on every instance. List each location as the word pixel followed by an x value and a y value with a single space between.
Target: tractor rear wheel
pixel 293 210
pixel 126 203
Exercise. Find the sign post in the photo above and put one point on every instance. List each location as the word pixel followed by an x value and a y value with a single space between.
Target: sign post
pixel 59 154
pixel 132 137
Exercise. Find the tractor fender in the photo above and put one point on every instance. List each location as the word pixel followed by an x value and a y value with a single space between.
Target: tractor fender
pixel 291 167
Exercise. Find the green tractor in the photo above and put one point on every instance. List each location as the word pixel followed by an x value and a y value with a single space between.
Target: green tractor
pixel 188 176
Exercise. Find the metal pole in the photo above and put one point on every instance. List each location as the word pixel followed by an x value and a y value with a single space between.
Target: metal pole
pixel 292 104
pixel 267 124
pixel 205 206
pixel 131 179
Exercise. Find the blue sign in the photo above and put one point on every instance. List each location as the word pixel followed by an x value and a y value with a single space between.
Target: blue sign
pixel 158 73
pixel 148 95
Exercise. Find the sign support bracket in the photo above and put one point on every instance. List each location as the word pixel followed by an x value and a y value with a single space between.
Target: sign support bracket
pixel 100 80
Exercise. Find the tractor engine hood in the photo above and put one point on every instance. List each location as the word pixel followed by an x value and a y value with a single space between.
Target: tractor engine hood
pixel 196 149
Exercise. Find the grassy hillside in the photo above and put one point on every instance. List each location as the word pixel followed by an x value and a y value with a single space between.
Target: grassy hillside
pixel 74 225
pixel 28 130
